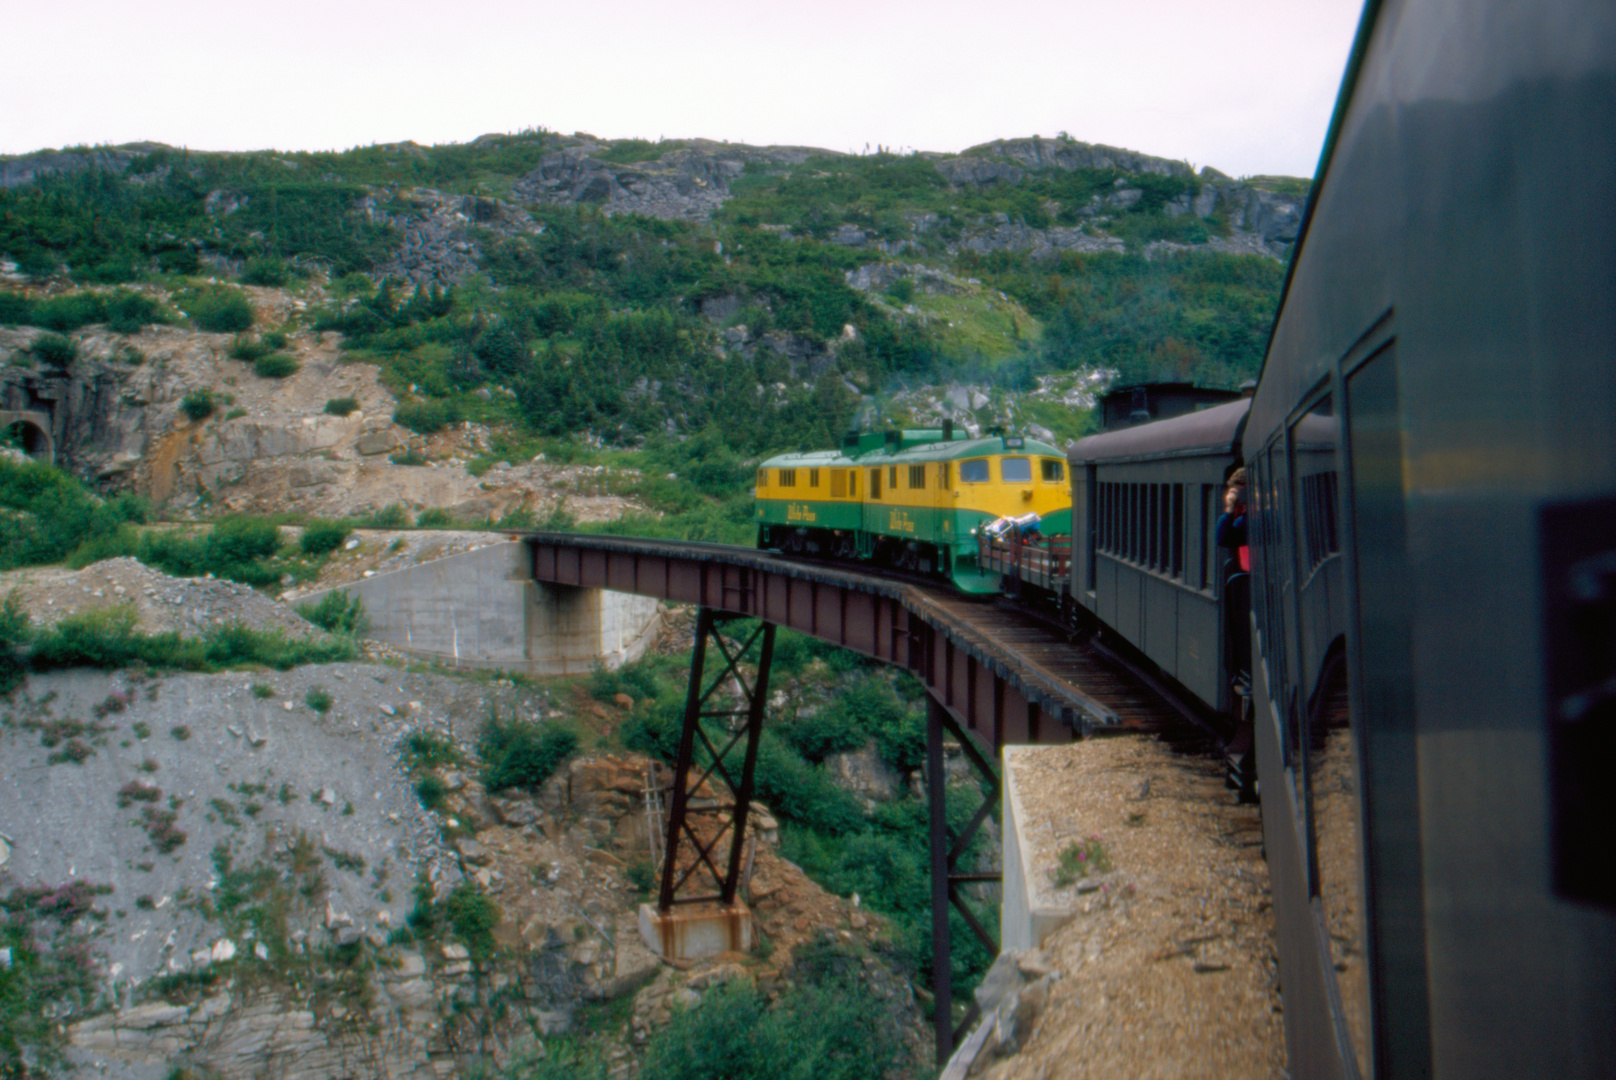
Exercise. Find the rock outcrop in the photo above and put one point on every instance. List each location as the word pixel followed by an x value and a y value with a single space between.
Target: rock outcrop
pixel 1007 161
pixel 692 180
pixel 27 168
pixel 117 418
pixel 689 182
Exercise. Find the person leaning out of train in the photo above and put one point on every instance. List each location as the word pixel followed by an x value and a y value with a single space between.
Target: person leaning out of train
pixel 1232 525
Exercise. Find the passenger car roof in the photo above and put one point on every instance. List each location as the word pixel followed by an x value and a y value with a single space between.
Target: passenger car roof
pixel 1210 431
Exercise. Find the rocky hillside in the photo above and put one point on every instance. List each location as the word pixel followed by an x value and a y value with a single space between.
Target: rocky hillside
pixel 118 418
pixel 621 290
pixel 299 874
pixel 694 179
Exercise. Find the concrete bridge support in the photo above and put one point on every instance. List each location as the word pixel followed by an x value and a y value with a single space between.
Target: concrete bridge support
pixel 482 609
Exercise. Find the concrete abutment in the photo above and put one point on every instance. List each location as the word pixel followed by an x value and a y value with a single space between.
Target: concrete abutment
pixel 482 609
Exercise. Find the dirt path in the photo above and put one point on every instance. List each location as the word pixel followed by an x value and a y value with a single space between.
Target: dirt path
pixel 1168 967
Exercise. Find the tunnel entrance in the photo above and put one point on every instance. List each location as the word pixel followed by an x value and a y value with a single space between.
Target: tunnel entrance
pixel 28 432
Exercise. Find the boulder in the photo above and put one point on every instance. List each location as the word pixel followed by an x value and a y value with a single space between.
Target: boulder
pixel 372 443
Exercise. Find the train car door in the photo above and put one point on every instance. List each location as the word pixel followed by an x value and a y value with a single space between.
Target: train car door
pixel 1380 643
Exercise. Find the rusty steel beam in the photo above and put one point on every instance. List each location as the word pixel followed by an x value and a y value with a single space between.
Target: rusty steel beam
pixel 981 691
pixel 946 878
pixel 999 693
pixel 719 730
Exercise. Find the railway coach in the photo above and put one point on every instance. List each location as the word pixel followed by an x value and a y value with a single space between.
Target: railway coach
pixel 1432 463
pixel 1145 506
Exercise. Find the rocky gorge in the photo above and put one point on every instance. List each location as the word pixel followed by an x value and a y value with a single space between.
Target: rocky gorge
pixel 239 875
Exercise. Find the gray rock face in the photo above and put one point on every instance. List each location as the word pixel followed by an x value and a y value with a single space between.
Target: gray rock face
pixel 864 774
pixel 100 419
pixel 26 168
pixel 1007 235
pixel 879 276
pixel 1006 161
pixel 437 248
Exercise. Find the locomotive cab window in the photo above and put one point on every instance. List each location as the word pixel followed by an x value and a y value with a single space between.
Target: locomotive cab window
pixel 892 477
pixel 1015 470
pixel 942 476
pixel 875 483
pixel 763 478
pixel 974 471
pixel 1054 471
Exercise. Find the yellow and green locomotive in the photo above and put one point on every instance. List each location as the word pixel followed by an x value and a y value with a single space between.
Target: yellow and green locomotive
pixel 911 499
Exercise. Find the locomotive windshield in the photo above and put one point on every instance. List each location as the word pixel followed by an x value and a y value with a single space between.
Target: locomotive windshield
pixel 1016 470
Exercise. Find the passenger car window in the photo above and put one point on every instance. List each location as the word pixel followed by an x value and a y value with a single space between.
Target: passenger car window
pixel 1054 471
pixel 1016 470
pixel 974 471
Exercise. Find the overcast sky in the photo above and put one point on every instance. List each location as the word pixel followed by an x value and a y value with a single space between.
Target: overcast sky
pixel 1245 87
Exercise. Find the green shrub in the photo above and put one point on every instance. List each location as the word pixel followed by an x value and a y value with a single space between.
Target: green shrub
pixel 831 1027
pixel 889 872
pixel 16 632
pixel 1081 858
pixel 828 731
pixel 220 310
pixel 427 417
pixel 199 404
pixel 266 271
pixel 105 638
pixel 321 537
pixel 238 548
pixel 426 750
pixel 798 792
pixel 474 917
pixel 247 350
pixel 16 309
pixel 318 699
pixel 655 731
pixel 391 516
pixel 275 366
pixel 431 791
pixel 434 518
pixel 70 311
pixel 243 539
pixel 124 541
pixel 871 708
pixel 337 612
pixel 342 406
pixel 521 754
pixel 262 691
pixel 409 458
pixel 128 506
pixel 129 312
pixel 56 351
pixel 55 514
pixel 638 680
pixel 274 339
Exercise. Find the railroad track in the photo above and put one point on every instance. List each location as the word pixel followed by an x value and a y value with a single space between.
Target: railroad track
pixel 1140 701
